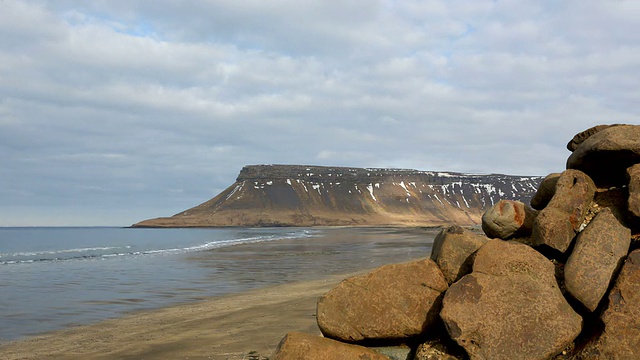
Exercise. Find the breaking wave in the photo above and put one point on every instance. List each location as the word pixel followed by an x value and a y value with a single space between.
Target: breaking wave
pixel 110 252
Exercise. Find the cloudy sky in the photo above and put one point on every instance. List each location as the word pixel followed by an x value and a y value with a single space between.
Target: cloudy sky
pixel 115 111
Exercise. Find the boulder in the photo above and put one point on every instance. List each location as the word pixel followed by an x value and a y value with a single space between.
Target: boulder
pixel 616 199
pixel 606 155
pixel 508 219
pixel 553 228
pixel 545 192
pixel 574 192
pixel 453 250
pixel 598 253
pixel 300 346
pixel 510 306
pixel 621 334
pixel 506 258
pixel 584 135
pixel 557 224
pixel 392 302
pixel 633 175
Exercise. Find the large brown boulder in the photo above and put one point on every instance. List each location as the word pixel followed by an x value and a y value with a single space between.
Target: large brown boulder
pixel 508 219
pixel 557 224
pixel 545 192
pixel 392 302
pixel 598 253
pixel 553 229
pixel 510 306
pixel 633 175
pixel 606 155
pixel 453 250
pixel 621 334
pixel 584 135
pixel 300 346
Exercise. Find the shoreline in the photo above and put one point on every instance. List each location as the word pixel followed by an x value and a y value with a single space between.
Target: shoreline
pixel 290 274
pixel 226 327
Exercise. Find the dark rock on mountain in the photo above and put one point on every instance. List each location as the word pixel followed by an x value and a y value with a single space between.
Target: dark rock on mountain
pixel 453 250
pixel 508 219
pixel 291 195
pixel 556 224
pixel 296 345
pixel 392 302
pixel 510 306
pixel 606 155
pixel 598 253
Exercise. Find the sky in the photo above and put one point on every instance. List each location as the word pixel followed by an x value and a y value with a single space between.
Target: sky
pixel 112 112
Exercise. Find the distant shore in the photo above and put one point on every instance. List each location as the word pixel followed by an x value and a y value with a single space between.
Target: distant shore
pixel 226 327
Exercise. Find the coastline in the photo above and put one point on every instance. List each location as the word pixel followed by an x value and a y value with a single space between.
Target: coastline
pixel 227 327
pixel 282 281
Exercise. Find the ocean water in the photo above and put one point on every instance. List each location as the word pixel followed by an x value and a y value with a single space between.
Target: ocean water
pixel 53 278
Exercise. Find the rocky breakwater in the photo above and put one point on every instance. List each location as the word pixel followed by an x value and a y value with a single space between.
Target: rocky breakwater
pixel 556 279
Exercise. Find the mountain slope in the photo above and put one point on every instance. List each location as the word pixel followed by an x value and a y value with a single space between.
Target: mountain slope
pixel 292 195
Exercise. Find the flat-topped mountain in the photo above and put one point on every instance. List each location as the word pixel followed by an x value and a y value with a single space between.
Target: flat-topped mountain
pixel 295 195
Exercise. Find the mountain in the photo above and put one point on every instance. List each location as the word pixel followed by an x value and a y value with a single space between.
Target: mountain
pixel 294 195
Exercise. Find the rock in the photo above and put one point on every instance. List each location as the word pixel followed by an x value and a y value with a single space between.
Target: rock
pixel 510 306
pixel 598 253
pixel 394 352
pixel 633 175
pixel 621 334
pixel 553 228
pixel 438 350
pixel 556 224
pixel 508 219
pixel 504 258
pixel 392 302
pixel 452 250
pixel 616 199
pixel 574 193
pixel 606 155
pixel 584 135
pixel 545 192
pixel 300 346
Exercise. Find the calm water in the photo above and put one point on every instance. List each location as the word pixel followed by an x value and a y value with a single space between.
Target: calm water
pixel 51 278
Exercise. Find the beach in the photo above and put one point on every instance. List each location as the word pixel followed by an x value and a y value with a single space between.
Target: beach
pixel 284 277
pixel 228 327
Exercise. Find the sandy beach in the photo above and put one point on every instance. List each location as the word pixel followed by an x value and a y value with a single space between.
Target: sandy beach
pixel 239 326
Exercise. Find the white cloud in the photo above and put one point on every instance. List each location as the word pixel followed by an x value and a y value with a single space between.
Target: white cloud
pixel 139 98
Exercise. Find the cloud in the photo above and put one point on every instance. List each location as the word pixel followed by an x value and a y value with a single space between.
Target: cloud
pixel 154 106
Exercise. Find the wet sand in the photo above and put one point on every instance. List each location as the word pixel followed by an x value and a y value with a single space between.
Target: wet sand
pixel 228 327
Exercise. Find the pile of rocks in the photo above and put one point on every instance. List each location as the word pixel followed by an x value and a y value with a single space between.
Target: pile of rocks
pixel 557 280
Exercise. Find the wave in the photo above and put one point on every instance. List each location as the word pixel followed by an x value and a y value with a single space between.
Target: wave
pixel 111 252
pixel 63 251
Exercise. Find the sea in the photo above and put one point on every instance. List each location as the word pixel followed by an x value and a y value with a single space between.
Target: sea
pixel 53 278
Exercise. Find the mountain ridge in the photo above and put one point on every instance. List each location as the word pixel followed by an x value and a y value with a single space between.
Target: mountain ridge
pixel 308 195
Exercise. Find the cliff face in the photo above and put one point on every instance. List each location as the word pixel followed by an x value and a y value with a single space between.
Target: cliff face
pixel 292 195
